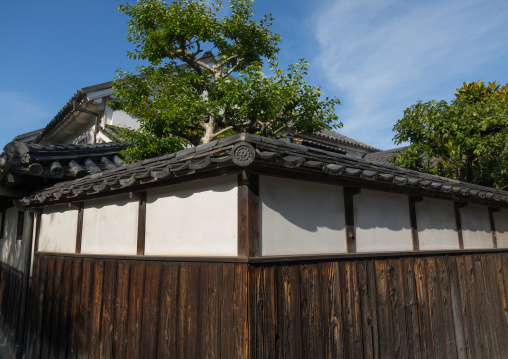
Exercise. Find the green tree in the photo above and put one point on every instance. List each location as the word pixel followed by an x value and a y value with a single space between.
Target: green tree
pixel 465 139
pixel 204 79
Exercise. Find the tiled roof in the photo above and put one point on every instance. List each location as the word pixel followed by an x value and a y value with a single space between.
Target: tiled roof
pixel 245 151
pixel 68 107
pixel 338 137
pixel 382 156
pixel 59 161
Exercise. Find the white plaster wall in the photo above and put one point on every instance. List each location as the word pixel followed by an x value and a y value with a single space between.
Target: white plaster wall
pixel 501 224
pixel 476 227
pixel 299 217
pixel 58 229
pixel 120 118
pixel 193 219
pixel 382 222
pixel 110 226
pixel 435 220
pixel 12 250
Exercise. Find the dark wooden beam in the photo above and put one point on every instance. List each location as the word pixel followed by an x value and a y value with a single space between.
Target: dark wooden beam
pixel 141 197
pixel 79 232
pixel 248 215
pixel 38 219
pixel 412 219
pixel 349 193
pixel 2 224
pixel 492 210
pixel 20 225
pixel 458 223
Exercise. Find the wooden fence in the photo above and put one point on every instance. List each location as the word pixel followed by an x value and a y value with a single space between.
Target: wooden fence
pixel 443 306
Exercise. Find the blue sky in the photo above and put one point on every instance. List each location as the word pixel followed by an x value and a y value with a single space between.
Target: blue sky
pixel 377 56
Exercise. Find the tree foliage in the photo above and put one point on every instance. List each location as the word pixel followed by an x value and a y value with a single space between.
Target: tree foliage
pixel 465 138
pixel 204 79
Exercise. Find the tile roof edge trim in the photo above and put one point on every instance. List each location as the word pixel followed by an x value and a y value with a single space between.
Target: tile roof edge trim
pixel 244 151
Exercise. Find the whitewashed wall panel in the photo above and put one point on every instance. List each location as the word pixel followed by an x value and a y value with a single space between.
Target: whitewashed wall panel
pixel 382 222
pixel 476 227
pixel 110 226
pixel 501 224
pixel 193 219
pixel 299 217
pixel 436 224
pixel 58 229
pixel 11 250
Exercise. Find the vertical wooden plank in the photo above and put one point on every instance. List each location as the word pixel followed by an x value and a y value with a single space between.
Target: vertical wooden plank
pixel 188 311
pixel 446 302
pixel 84 309
pixel 212 322
pixel 366 309
pixel 474 308
pixel 248 214
pixel 349 214
pixel 240 318
pixel 265 313
pixel 74 321
pixel 48 305
pixel 289 325
pixel 414 224
pixel 385 325
pixel 79 230
pixel 495 307
pixel 121 310
pixel 42 277
pixel 436 310
pixel 498 260
pixel 471 338
pixel 96 309
pixel 458 223
pixel 31 326
pixel 351 311
pixel 141 223
pixel 65 308
pixel 427 345
pixel 490 341
pixel 332 313
pixel 226 315
pixel 135 310
pixel 108 309
pixel 459 319
pixel 167 336
pixel 310 289
pixel 397 300
pixel 411 307
pixel 151 308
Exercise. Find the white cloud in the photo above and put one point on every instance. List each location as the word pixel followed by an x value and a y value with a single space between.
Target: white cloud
pixel 385 55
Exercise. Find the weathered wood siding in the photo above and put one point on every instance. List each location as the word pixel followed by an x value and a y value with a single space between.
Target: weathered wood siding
pixel 90 308
pixel 10 294
pixel 443 306
pixel 413 307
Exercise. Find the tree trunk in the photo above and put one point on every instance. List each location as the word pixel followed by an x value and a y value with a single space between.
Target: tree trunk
pixel 209 129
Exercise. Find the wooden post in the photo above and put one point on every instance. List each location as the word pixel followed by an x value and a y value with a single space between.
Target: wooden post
pixel 79 232
pixel 248 215
pixel 492 210
pixel 349 193
pixel 38 219
pixel 414 224
pixel 2 224
pixel 458 206
pixel 141 197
